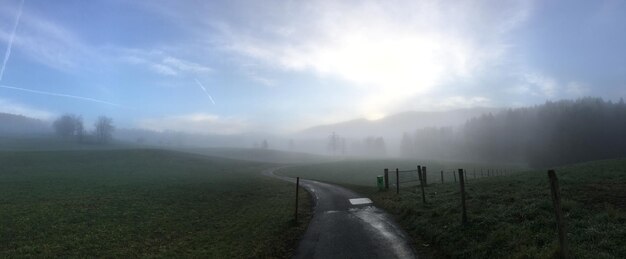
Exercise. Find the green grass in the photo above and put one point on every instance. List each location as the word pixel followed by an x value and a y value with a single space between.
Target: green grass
pixel 364 172
pixel 260 155
pixel 53 143
pixel 130 203
pixel 509 216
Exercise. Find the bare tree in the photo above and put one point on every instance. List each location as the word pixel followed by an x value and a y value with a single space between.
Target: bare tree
pixel 406 146
pixel 69 126
pixel 104 129
pixel 79 130
pixel 333 143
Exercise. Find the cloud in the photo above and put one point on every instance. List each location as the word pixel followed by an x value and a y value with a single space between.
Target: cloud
pixel 9 106
pixel 54 45
pixel 542 85
pixel 576 89
pixel 185 66
pixel 381 57
pixel 48 42
pixel 391 52
pixel 195 123
pixel 545 86
pixel 252 73
pixel 459 102
pixel 160 62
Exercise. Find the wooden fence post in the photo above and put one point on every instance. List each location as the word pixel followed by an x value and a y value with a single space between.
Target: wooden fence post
pixel 295 214
pixel 423 193
pixel 425 177
pixel 453 174
pixel 462 180
pixel 560 222
pixel 441 176
pixel 419 173
pixel 386 179
pixel 397 181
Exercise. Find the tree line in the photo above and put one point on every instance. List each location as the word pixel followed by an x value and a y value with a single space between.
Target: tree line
pixel 554 133
pixel 370 146
pixel 70 127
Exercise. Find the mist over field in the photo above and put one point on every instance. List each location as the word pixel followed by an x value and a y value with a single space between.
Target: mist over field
pixel 179 129
pixel 554 133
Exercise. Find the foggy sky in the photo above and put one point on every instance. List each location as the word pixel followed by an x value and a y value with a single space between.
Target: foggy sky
pixel 287 65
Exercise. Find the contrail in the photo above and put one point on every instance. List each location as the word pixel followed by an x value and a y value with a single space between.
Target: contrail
pixel 8 52
pixel 205 91
pixel 60 95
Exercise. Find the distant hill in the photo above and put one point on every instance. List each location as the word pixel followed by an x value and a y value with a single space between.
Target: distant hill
pixel 396 124
pixel 18 125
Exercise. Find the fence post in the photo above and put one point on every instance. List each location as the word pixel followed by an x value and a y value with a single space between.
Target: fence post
pixel 560 222
pixel 386 179
pixel 419 173
pixel 441 176
pixel 462 180
pixel 295 214
pixel 397 181
pixel 422 183
pixel 453 174
pixel 425 175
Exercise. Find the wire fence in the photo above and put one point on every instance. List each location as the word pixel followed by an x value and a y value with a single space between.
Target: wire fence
pixel 407 178
pixel 412 177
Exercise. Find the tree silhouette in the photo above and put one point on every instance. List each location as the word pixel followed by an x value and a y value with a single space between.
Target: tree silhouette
pixel 104 129
pixel 69 126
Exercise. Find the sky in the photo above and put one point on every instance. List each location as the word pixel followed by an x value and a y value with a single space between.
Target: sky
pixel 227 67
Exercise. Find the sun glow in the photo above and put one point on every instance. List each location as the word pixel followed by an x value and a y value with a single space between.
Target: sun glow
pixel 390 68
pixel 390 57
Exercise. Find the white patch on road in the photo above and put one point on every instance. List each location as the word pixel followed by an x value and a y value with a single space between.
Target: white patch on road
pixel 359 201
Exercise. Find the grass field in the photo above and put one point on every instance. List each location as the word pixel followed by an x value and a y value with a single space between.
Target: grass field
pixel 364 172
pixel 53 143
pixel 129 203
pixel 260 155
pixel 509 216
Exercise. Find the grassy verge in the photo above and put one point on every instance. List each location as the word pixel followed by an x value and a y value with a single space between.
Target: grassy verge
pixel 510 216
pixel 364 172
pixel 129 203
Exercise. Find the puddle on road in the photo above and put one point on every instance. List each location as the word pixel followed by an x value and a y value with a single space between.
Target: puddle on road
pixel 389 232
